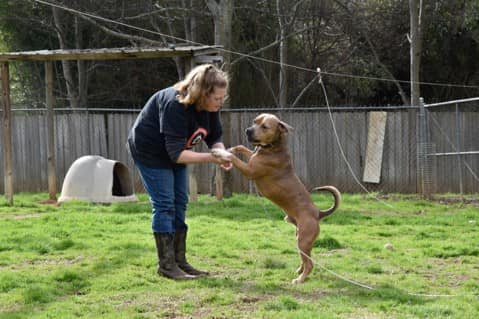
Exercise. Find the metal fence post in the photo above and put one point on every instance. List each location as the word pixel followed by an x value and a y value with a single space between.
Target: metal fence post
pixel 424 168
pixel 458 149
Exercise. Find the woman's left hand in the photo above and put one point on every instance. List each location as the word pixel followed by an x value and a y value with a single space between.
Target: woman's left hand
pixel 227 166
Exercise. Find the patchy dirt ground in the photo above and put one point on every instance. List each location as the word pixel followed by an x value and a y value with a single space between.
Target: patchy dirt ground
pixel 457 200
pixel 442 199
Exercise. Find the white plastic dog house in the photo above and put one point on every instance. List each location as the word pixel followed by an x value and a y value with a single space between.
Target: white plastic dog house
pixel 99 180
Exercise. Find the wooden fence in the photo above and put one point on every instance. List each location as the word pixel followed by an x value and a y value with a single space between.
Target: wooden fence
pixel 322 154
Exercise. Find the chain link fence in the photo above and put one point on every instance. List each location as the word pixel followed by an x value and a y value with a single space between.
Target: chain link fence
pixel 449 148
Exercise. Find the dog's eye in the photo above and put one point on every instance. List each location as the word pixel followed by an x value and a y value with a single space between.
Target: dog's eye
pixel 264 127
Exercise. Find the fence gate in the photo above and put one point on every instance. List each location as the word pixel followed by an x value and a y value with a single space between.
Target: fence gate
pixel 448 147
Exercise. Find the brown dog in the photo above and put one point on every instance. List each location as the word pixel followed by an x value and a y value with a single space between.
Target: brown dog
pixel 270 166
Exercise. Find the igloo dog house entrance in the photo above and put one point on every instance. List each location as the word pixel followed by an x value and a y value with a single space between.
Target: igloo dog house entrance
pixel 99 180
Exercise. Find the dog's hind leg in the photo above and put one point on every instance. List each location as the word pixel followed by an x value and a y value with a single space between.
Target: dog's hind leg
pixel 290 220
pixel 307 233
pixel 293 221
pixel 299 271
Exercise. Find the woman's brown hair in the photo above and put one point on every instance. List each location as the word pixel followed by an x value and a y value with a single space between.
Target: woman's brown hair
pixel 199 83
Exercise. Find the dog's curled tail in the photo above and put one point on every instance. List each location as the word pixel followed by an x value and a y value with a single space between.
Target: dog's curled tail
pixel 337 199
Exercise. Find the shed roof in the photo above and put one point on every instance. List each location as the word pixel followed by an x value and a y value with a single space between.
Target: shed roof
pixel 110 53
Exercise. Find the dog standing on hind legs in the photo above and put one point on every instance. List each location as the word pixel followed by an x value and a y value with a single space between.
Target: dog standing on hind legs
pixel 270 167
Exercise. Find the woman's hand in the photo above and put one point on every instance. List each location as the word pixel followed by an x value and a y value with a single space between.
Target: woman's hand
pixel 222 157
pixel 227 166
pixel 221 153
pixel 223 163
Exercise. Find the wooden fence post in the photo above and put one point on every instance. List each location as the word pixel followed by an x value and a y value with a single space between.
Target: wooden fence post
pixel 7 134
pixel 189 64
pixel 50 101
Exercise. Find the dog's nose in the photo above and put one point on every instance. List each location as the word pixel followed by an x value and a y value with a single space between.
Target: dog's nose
pixel 249 132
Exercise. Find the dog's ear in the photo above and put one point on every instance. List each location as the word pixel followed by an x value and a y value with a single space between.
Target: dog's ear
pixel 285 127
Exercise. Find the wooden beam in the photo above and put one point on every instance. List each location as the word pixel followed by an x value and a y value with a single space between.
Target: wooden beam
pixel 108 53
pixel 214 59
pixel 7 134
pixel 50 102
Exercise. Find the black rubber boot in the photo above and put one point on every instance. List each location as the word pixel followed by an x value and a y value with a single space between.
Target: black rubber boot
pixel 180 255
pixel 166 258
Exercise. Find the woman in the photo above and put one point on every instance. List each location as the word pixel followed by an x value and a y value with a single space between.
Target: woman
pixel 160 142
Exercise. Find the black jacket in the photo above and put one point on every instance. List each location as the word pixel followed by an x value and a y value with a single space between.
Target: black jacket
pixel 165 127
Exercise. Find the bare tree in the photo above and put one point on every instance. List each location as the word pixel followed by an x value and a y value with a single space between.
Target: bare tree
pixel 364 32
pixel 286 20
pixel 222 11
pixel 72 92
pixel 162 19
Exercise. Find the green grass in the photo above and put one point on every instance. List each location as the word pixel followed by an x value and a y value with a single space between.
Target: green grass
pixel 81 260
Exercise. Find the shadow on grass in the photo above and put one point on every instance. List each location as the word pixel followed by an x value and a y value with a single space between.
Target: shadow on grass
pixel 243 207
pixel 273 287
pixel 252 289
pixel 384 292
pixel 240 208
pixel 63 283
pixel 71 282
pixel 38 292
pixel 388 292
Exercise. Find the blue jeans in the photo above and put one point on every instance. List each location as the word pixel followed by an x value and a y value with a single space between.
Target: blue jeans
pixel 168 190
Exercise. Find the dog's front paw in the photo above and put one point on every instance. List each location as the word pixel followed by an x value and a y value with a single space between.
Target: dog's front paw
pixel 221 153
pixel 238 149
pixel 233 149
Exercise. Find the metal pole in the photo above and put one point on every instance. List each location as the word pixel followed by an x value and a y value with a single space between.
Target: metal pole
pixel 458 148
pixel 422 150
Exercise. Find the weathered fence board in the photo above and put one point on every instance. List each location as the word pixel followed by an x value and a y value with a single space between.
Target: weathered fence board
pixel 317 158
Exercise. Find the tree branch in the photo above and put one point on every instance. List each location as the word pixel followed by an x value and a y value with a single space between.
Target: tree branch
pixel 266 80
pixel 376 56
pixel 129 37
pixel 272 44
